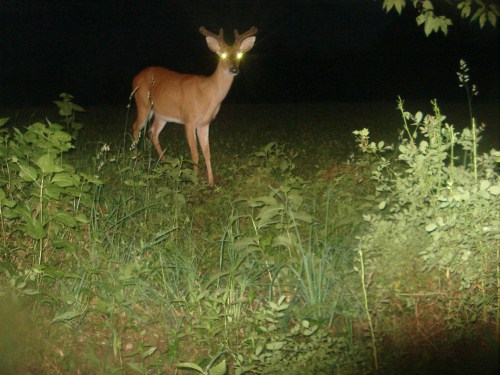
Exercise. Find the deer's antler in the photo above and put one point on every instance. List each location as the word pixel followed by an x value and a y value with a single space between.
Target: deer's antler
pixel 207 33
pixel 238 38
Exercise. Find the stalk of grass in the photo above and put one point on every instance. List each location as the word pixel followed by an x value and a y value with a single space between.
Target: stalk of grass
pixel 474 148
pixel 498 295
pixel 365 300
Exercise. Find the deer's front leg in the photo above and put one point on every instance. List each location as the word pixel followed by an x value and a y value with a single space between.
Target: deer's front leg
pixel 205 148
pixel 193 147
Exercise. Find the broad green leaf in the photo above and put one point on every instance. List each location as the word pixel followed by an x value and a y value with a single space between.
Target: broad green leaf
pixel 387 5
pixel 482 20
pixel 267 214
pixel 484 184
pixel 310 331
pixel 191 365
pixel 4 120
pixel 53 191
pixel 82 218
pixel 219 369
pixel 282 240
pixel 261 201
pixel 304 217
pixel 4 201
pixel 35 230
pixel 92 179
pixel 283 306
pixel 47 164
pixel 430 227
pixel 243 243
pixel 27 173
pixel 494 190
pixel 64 179
pixel 275 345
pixel 64 218
pixel 491 17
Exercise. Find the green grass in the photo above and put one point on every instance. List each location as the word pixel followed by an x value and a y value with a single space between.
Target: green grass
pixel 258 271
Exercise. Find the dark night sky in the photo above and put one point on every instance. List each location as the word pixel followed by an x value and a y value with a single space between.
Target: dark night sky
pixel 306 50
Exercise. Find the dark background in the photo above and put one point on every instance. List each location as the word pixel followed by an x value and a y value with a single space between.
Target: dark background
pixel 306 51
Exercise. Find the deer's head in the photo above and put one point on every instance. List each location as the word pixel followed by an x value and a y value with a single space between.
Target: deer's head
pixel 230 56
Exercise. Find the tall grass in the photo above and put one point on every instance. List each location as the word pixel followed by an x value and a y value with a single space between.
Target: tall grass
pixel 154 271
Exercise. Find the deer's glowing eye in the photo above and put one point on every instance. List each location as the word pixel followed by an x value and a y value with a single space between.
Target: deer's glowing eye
pixel 239 55
pixel 223 56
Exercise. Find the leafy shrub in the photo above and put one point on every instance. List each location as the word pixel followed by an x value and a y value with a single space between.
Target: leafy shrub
pixel 45 204
pixel 433 213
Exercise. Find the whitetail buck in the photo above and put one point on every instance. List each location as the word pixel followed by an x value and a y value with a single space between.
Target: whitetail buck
pixel 192 100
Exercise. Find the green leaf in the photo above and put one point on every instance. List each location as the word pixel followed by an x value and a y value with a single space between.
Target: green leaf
pixel 494 190
pixel 396 4
pixel 35 230
pixel 219 369
pixel 430 227
pixel 137 367
pixel 484 184
pixel 482 20
pixel 66 316
pixel 27 173
pixel 304 217
pixel 64 179
pixel 429 26
pixel 65 219
pixel 262 201
pixel 281 240
pixel 64 244
pixel 82 218
pixel 92 179
pixel 149 352
pixel 4 120
pixel 47 165
pixel 53 191
pixel 191 365
pixel 310 331
pixel 4 201
pixel 491 17
pixel 275 345
pixel 244 243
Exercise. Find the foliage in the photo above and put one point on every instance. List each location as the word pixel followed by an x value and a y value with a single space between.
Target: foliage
pixel 68 110
pixel 473 10
pixel 42 199
pixel 158 273
pixel 272 346
pixel 434 210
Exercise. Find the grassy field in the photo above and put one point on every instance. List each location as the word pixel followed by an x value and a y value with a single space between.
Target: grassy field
pixel 264 273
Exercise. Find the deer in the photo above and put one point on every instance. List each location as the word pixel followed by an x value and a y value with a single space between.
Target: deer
pixel 193 100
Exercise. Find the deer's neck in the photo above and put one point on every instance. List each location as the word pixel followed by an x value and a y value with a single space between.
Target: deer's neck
pixel 221 80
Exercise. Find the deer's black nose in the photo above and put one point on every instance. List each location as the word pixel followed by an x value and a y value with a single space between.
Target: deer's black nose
pixel 234 70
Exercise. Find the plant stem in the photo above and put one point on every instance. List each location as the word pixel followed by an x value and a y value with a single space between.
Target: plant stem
pixel 365 296
pixel 474 148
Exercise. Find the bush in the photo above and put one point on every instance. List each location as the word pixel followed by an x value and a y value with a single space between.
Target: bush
pixel 434 215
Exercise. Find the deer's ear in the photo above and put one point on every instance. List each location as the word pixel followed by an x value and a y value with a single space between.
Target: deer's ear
pixel 213 44
pixel 247 44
